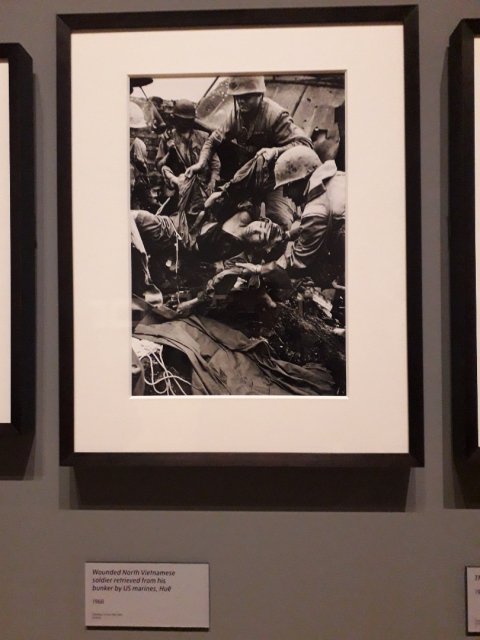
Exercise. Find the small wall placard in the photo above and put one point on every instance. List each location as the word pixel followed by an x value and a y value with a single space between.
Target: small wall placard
pixel 147 595
pixel 472 586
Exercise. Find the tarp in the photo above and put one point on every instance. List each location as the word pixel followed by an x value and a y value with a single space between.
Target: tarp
pixel 226 362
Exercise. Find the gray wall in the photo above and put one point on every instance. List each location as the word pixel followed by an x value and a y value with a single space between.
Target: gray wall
pixel 381 553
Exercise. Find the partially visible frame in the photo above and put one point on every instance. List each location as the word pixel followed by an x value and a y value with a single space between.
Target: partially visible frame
pixel 17 242
pixel 91 440
pixel 464 217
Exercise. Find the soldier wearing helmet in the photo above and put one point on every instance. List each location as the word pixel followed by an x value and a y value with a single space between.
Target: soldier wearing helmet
pixel 248 93
pixel 140 194
pixel 320 190
pixel 180 146
pixel 260 128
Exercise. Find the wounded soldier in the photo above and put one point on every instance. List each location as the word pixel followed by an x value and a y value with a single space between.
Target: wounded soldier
pixel 215 241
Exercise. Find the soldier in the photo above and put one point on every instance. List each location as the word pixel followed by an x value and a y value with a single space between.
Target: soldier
pixel 320 190
pixel 139 181
pixel 179 147
pixel 261 129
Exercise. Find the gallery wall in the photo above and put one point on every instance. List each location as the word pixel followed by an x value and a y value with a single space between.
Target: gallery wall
pixel 330 554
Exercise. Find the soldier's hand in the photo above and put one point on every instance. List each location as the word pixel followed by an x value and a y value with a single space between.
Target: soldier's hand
pixel 212 199
pixel 267 153
pixel 193 169
pixel 294 231
pixel 210 187
pixel 248 269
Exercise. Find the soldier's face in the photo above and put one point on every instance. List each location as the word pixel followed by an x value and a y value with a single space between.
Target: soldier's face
pixel 262 233
pixel 248 103
pixel 183 124
pixel 256 233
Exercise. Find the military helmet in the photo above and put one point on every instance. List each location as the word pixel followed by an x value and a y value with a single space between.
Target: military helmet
pixel 136 116
pixel 296 163
pixel 242 85
pixel 184 109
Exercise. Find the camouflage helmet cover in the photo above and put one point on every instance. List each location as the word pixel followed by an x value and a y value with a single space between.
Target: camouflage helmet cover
pixel 242 85
pixel 296 163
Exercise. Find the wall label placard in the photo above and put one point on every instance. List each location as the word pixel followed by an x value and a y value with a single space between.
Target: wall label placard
pixel 472 586
pixel 147 595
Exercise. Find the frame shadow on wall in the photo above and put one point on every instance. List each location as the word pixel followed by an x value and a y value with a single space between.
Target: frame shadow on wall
pixel 324 489
pixel 15 451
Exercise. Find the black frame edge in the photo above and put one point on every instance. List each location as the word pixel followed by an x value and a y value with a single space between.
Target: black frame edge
pixel 247 460
pixel 235 17
pixel 413 234
pixel 65 246
pixel 22 239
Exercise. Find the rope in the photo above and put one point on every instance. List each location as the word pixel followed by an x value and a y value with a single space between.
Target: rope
pixel 151 354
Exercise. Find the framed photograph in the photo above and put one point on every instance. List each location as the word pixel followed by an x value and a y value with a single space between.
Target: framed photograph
pixel 239 237
pixel 17 242
pixel 464 149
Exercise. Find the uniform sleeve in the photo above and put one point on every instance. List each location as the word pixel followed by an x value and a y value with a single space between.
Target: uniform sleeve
pixel 157 232
pixel 314 226
pixel 162 152
pixel 336 189
pixel 215 166
pixel 216 138
pixel 138 155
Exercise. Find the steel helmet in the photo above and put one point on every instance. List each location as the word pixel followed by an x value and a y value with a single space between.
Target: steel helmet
pixel 137 118
pixel 184 109
pixel 242 85
pixel 296 163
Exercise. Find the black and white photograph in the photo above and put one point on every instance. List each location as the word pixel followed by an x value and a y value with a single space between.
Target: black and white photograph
pixel 237 217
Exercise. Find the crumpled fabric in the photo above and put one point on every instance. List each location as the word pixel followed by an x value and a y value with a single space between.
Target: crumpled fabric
pixel 191 195
pixel 255 175
pixel 226 362
pixel 256 178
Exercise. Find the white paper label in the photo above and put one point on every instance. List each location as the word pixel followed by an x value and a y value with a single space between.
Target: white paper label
pixel 153 595
pixel 473 599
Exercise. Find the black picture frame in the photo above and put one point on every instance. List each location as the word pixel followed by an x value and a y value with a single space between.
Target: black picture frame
pixel 462 228
pixel 22 239
pixel 68 25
